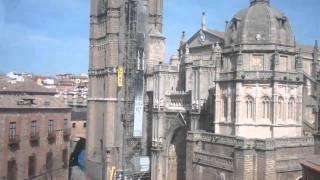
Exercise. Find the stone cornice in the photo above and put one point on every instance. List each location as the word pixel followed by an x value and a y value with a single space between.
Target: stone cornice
pixel 246 144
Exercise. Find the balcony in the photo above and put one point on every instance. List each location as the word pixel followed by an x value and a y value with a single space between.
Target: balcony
pixel 14 141
pixel 34 138
pixel 51 137
pixel 66 134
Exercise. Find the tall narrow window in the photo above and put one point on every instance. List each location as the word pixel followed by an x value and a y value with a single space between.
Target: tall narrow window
pixel 33 128
pixel 12 170
pixel 222 64
pixel 12 130
pixel 50 126
pixel 225 107
pixel 32 166
pixel 65 158
pixel 65 124
pixel 266 108
pixel 49 160
pixel 281 108
pixel 249 107
pixel 291 109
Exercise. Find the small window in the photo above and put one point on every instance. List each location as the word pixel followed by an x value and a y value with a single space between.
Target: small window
pixel 84 125
pixel 65 124
pixel 73 125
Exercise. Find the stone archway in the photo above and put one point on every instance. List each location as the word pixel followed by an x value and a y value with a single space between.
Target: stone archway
pixel 169 146
pixel 177 155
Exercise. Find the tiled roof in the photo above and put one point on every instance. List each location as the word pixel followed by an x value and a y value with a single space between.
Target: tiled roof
pixel 31 102
pixel 26 87
pixel 216 33
pixel 79 116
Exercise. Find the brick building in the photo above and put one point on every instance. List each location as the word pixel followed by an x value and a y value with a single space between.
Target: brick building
pixel 78 124
pixel 34 133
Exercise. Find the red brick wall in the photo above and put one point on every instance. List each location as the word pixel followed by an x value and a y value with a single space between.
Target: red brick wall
pixel 23 118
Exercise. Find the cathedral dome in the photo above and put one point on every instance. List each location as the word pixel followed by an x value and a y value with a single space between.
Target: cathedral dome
pixel 259 24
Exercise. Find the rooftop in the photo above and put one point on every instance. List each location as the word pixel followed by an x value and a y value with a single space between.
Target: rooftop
pixel 31 102
pixel 26 87
pixel 79 116
pixel 313 164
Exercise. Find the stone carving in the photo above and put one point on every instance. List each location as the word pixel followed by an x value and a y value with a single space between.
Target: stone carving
pixel 216 161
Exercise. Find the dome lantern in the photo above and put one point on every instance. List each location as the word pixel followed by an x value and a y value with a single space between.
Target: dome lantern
pixel 253 2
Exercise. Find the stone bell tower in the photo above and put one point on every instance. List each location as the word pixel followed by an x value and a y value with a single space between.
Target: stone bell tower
pixel 104 139
pixel 125 42
pixel 156 14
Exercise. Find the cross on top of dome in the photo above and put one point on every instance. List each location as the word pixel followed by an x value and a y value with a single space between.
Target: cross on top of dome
pixel 252 2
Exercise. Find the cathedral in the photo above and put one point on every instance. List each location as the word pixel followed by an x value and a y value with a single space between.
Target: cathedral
pixel 235 105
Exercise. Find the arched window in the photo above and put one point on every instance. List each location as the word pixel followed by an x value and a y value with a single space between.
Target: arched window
pixel 266 107
pixel 225 107
pixel 249 107
pixel 291 109
pixel 281 108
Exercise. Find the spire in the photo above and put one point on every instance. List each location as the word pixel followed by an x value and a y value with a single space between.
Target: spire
pixel 183 38
pixel 253 2
pixel 203 21
pixel 315 52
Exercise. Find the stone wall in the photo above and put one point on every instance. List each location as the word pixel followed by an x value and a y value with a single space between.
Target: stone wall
pixel 213 156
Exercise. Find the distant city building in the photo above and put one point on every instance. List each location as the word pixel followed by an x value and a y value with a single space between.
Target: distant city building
pixel 78 124
pixel 15 77
pixel 73 89
pixel 34 132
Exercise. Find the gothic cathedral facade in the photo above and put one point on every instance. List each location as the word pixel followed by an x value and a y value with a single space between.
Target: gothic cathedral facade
pixel 239 104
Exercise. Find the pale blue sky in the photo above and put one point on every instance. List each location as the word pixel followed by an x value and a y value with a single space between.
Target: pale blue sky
pixel 51 36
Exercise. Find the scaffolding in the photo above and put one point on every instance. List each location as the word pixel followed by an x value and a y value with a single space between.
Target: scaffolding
pixel 130 67
pixel 131 145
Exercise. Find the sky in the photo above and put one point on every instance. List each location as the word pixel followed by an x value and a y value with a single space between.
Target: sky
pixel 52 36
